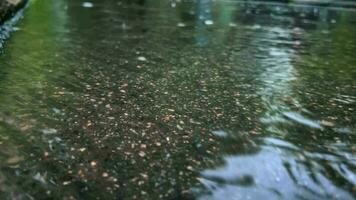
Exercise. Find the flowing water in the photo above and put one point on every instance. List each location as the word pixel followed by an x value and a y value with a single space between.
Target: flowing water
pixel 178 100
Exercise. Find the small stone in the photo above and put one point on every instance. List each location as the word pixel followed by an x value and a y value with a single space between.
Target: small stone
pixel 142 154
pixel 93 163
pixel 66 183
pixel 327 123
pixel 353 149
pixel 145 176
pixel 105 174
pixel 179 127
pixel 14 160
pixel 48 131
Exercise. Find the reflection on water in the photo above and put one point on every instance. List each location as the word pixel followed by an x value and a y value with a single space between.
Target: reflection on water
pixel 204 20
pixel 216 99
pixel 280 170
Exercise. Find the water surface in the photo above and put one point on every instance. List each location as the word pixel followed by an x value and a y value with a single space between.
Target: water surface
pixel 178 100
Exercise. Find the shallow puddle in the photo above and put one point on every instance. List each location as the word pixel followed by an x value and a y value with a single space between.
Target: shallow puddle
pixel 178 100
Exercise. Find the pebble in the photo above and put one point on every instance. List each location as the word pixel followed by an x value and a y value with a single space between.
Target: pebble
pixel 93 163
pixel 142 154
pixel 14 160
pixel 49 131
pixel 66 183
pixel 327 123
pixel 179 127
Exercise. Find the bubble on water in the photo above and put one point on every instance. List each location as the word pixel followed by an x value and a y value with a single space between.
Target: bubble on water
pixel 141 58
pixel 88 5
pixel 181 24
pixel 208 22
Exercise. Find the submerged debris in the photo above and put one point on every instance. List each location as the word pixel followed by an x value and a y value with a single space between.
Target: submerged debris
pixel 14 160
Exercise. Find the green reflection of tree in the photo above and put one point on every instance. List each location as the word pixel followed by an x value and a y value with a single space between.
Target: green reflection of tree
pixel 30 61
